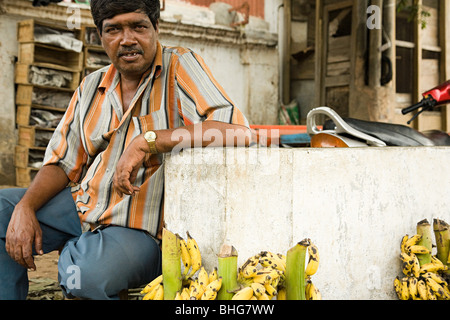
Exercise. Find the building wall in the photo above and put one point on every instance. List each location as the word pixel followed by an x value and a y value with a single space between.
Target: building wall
pixel 8 54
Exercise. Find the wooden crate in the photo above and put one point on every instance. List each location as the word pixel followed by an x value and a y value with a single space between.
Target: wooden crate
pixel 28 136
pixel 90 37
pixel 24 95
pixel 23 114
pixel 23 156
pixel 24 176
pixel 26 29
pixel 23 72
pixel 91 52
pixel 46 56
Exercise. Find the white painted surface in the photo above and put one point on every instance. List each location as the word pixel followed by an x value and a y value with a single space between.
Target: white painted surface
pixel 354 204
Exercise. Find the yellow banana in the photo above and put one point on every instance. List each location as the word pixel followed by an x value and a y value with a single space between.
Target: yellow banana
pixel 214 285
pixel 412 286
pixel 185 257
pixel 408 262
pixel 249 271
pixel 178 296
pixel 149 287
pixel 209 295
pixel 422 289
pixel 435 277
pixel 243 294
pixel 403 243
pixel 185 295
pixel 150 295
pixel 417 249
pixel 194 253
pixel 281 294
pixel 432 267
pixel 447 290
pixel 430 293
pixel 258 289
pixel 313 261
pixel 413 240
pixel 271 290
pixel 159 293
pixel 415 269
pixel 397 287
pixel 404 287
pixel 203 277
pixel 264 296
pixel 262 278
pixel 312 293
pixel 213 275
pixel 252 261
pixel 196 290
pixel 269 259
pixel 436 288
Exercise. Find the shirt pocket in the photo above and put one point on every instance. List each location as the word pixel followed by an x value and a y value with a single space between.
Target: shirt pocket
pixel 156 120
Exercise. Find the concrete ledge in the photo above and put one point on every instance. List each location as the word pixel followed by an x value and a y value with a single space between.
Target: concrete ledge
pixel 354 204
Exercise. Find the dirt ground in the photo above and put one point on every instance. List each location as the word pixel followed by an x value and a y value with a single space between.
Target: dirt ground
pixel 44 281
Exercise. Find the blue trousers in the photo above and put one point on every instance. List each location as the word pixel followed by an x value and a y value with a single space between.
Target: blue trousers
pixel 92 265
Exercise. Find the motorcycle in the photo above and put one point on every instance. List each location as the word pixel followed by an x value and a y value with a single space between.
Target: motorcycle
pixel 350 132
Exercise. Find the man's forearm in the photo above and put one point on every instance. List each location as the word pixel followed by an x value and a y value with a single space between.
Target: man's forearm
pixel 207 133
pixel 49 181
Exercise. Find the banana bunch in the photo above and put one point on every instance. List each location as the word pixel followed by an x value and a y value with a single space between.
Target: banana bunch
pixel 204 287
pixel 190 256
pixel 154 290
pixel 262 276
pixel 420 281
pixel 263 273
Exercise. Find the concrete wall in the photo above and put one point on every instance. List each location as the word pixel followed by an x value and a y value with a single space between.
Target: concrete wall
pixel 8 54
pixel 354 204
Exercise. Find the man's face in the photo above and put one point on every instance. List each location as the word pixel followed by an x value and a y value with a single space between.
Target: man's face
pixel 130 41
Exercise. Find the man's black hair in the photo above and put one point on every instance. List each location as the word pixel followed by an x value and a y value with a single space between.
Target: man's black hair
pixel 107 9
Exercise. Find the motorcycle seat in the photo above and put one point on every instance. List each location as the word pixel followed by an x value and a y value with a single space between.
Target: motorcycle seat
pixel 391 134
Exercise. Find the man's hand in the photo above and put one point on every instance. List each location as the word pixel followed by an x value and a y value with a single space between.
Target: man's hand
pixel 128 167
pixel 23 230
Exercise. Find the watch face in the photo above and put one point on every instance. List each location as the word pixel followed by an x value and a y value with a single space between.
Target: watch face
pixel 150 135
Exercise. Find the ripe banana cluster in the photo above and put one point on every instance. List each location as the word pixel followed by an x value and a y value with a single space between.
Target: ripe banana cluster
pixel 420 282
pixel 262 277
pixel 204 287
pixel 190 256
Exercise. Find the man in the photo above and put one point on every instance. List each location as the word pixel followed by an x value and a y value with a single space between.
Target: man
pixel 111 142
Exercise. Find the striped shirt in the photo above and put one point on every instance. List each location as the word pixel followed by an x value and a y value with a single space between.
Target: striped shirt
pixel 177 90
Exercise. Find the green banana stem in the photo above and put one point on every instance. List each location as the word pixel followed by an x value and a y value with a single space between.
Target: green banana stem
pixel 227 269
pixel 295 271
pixel 442 234
pixel 424 229
pixel 171 265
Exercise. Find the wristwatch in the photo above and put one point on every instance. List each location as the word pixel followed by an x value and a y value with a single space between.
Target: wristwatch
pixel 150 136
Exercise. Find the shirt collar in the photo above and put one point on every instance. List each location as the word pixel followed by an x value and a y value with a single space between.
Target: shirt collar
pixel 112 74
